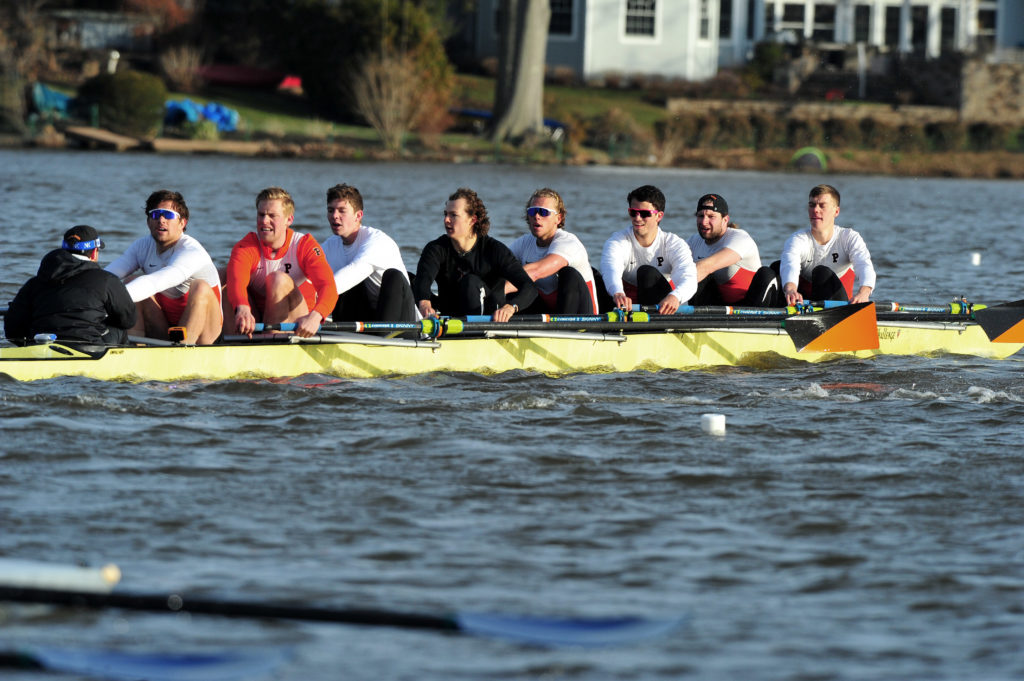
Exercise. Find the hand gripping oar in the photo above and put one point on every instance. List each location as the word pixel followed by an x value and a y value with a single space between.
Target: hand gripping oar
pixel 543 631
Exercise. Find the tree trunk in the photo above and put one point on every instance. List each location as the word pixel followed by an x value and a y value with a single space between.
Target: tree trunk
pixel 519 93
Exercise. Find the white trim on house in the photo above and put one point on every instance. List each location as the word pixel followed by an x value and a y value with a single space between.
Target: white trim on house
pixel 598 43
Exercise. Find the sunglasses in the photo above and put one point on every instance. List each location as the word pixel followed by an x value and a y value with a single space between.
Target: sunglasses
pixel 642 212
pixel 164 213
pixel 538 210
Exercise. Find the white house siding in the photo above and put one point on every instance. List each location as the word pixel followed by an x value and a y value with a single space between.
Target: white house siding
pixel 1011 25
pixel 598 44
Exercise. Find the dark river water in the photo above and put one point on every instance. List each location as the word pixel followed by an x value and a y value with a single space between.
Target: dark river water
pixel 859 519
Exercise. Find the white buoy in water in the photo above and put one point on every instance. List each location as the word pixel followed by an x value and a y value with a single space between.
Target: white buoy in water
pixel 975 258
pixel 713 424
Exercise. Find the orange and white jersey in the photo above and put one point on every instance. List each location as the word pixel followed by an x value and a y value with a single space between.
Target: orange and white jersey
pixel 301 258
pixel 733 281
pixel 845 253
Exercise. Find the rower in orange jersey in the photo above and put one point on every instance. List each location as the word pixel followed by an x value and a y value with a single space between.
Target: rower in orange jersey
pixel 278 275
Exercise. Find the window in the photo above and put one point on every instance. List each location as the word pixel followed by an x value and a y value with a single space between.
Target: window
pixel 892 26
pixel 919 28
pixel 792 19
pixel 705 20
pixel 986 29
pixel 862 23
pixel 725 19
pixel 640 17
pixel 947 34
pixel 751 18
pixel 561 17
pixel 824 23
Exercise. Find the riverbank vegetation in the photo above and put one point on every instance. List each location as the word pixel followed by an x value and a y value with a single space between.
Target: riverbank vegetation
pixel 407 101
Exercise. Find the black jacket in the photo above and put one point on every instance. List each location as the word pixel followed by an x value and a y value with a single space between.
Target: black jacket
pixel 73 298
pixel 489 259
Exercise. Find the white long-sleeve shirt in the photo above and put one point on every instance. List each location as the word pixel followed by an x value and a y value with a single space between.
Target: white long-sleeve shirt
pixel 622 256
pixel 366 259
pixel 846 254
pixel 170 273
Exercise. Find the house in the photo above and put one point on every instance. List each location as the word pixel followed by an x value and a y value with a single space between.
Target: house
pixel 692 39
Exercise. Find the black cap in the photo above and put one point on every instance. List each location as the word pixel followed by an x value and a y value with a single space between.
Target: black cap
pixel 81 239
pixel 713 202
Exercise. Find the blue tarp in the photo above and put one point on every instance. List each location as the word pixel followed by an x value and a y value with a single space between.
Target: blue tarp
pixel 178 112
pixel 49 101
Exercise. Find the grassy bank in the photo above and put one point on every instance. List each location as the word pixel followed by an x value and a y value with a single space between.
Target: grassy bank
pixel 612 126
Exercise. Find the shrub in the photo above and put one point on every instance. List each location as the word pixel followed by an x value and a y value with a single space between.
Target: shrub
pixel 840 132
pixel 327 43
pixel 734 131
pixel 677 132
pixel 990 136
pixel 388 96
pixel 769 131
pixel 619 133
pixel 876 134
pixel 946 136
pixel 911 138
pixel 130 102
pixel 705 130
pixel 202 130
pixel 180 66
pixel 803 133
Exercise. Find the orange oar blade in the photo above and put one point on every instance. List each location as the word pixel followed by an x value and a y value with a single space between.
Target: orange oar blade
pixel 838 329
pixel 1003 323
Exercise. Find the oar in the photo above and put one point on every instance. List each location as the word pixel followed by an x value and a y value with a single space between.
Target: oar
pixel 1002 323
pixel 30 573
pixel 123 666
pixel 845 328
pixel 543 631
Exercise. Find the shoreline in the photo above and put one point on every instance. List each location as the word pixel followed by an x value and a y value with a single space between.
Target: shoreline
pixel 961 164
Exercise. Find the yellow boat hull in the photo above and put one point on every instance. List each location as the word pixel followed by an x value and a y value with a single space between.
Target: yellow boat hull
pixel 564 354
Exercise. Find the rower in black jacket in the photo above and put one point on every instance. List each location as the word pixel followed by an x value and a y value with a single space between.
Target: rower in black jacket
pixel 470 268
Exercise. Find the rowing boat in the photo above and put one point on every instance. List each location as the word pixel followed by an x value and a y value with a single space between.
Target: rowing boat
pixel 593 347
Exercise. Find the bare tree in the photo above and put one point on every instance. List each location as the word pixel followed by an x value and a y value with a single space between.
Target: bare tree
pixel 22 40
pixel 388 93
pixel 519 93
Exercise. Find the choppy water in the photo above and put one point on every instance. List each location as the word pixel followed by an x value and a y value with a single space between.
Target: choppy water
pixel 859 519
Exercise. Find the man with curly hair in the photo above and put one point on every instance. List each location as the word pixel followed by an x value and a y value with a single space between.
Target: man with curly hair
pixel 469 267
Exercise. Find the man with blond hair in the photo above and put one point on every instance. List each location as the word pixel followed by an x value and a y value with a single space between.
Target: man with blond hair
pixel 555 259
pixel 276 274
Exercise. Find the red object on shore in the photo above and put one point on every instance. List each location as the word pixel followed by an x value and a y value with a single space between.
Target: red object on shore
pixel 248 76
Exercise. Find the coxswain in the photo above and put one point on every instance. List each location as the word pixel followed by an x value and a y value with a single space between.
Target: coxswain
pixel 72 297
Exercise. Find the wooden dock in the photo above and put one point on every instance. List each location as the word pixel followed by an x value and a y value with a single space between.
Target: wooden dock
pixel 98 138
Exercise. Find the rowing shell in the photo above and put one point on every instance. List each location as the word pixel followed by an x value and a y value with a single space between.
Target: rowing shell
pixel 554 353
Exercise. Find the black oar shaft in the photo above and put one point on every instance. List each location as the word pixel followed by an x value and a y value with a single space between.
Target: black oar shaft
pixel 179 603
